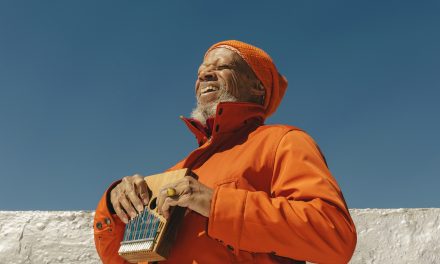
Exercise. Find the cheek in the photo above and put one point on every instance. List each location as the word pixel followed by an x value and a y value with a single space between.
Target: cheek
pixel 232 84
pixel 196 87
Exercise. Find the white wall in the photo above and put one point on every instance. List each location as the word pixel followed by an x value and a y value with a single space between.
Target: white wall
pixel 384 236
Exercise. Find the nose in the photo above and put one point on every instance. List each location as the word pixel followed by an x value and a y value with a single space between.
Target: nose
pixel 207 75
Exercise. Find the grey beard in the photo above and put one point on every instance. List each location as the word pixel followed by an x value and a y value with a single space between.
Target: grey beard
pixel 203 112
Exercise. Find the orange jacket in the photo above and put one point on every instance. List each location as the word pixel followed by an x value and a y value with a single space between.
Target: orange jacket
pixel 274 198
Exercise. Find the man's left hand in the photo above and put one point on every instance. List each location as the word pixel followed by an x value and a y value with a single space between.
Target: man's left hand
pixel 190 193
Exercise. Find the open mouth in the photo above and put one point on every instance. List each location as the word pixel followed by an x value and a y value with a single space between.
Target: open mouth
pixel 208 89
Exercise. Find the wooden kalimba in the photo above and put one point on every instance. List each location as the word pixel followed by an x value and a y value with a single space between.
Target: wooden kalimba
pixel 149 236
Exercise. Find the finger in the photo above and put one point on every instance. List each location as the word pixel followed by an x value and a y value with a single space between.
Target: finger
pixel 127 206
pixel 142 190
pixel 160 200
pixel 182 201
pixel 163 196
pixel 184 186
pixel 129 188
pixel 135 200
pixel 128 184
pixel 116 205
pixel 121 214
pixel 167 204
pixel 181 187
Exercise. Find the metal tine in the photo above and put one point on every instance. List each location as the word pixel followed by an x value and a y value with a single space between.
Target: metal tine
pixel 138 226
pixel 141 234
pixel 149 226
pixel 148 213
pixel 127 231
pixel 138 220
pixel 134 227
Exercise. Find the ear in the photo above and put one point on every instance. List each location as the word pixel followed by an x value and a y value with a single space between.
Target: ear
pixel 258 89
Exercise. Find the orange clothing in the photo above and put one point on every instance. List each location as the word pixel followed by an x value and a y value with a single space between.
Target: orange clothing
pixel 262 65
pixel 274 198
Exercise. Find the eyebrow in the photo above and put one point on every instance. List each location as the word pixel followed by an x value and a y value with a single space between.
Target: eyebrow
pixel 221 64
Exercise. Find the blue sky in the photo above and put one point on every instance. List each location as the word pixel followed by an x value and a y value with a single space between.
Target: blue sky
pixel 91 91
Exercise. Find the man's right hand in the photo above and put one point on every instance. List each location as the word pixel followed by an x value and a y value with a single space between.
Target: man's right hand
pixel 130 196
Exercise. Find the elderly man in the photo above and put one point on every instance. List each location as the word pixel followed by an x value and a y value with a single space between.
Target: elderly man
pixel 264 193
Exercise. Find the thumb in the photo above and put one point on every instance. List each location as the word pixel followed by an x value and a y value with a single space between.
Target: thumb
pixel 144 192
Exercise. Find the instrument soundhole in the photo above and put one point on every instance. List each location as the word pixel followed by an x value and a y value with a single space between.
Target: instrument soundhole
pixel 153 203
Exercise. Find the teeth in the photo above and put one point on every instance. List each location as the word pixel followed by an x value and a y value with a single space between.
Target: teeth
pixel 209 89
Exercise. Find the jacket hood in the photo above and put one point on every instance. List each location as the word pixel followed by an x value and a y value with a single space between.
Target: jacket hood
pixel 264 68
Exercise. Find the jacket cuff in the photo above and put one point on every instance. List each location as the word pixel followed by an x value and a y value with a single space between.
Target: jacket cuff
pixel 107 195
pixel 104 212
pixel 226 217
pixel 108 231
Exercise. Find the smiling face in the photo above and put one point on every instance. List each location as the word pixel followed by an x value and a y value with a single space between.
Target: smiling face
pixel 224 71
pixel 224 77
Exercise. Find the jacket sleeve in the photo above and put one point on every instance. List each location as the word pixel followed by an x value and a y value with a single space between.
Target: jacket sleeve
pixel 304 217
pixel 108 231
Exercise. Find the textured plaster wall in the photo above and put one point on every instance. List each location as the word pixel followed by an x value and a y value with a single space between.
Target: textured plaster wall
pixel 384 236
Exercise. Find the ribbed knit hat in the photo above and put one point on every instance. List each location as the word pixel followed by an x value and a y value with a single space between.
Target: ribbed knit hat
pixel 264 68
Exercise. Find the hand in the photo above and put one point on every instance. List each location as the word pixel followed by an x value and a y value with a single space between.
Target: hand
pixel 190 193
pixel 129 197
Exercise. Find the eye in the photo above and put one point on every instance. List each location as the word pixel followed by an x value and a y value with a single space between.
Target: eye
pixel 223 67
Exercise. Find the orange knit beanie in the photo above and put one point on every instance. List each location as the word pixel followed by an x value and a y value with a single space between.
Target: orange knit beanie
pixel 263 67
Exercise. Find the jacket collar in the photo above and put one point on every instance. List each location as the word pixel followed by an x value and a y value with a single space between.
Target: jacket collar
pixel 229 117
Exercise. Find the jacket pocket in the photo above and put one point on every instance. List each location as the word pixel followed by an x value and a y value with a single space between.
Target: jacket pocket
pixel 235 255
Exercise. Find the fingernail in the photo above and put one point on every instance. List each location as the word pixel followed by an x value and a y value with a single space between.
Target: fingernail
pixel 140 208
pixel 145 201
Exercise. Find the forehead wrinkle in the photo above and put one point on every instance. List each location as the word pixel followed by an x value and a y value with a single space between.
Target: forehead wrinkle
pixel 212 61
pixel 218 57
pixel 235 61
pixel 221 53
